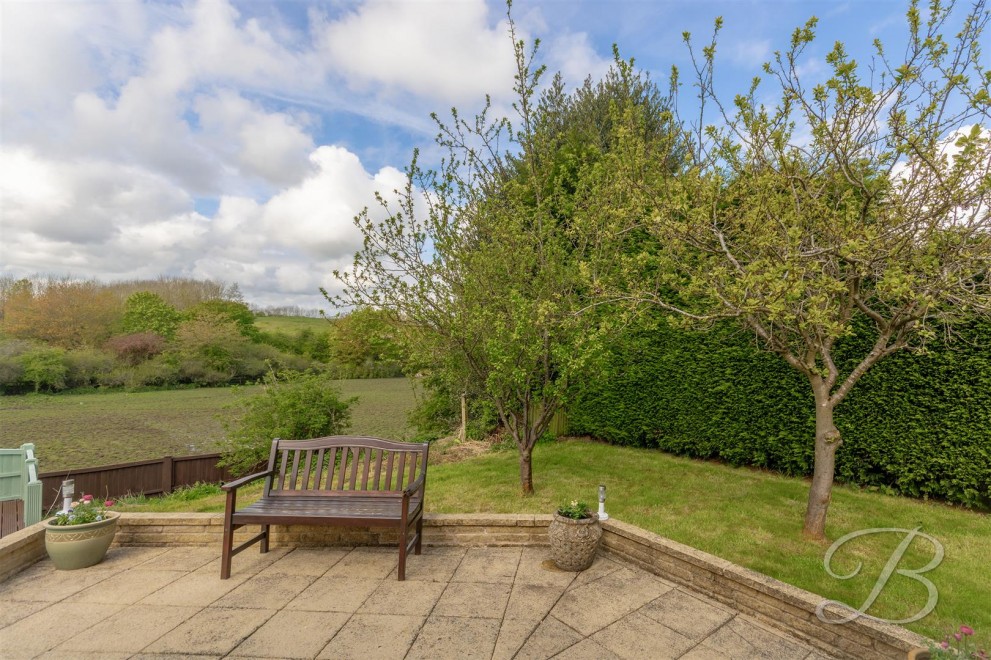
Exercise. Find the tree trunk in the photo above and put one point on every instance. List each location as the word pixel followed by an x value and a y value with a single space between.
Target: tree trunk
pixel 526 470
pixel 827 442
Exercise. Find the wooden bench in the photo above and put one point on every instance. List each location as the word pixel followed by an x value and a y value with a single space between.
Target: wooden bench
pixel 337 480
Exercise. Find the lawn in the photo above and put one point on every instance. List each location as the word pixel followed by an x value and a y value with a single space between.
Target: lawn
pixel 102 428
pixel 749 517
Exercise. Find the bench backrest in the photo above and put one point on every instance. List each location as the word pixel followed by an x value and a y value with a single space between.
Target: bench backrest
pixel 342 465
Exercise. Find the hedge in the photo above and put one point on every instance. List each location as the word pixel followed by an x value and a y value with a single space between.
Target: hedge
pixel 916 424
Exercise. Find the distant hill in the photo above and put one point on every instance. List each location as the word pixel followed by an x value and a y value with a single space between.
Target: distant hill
pixel 292 325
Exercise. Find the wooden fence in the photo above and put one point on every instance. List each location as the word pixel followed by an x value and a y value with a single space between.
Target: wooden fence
pixel 155 477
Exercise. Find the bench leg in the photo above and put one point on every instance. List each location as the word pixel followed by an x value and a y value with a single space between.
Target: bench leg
pixel 264 543
pixel 225 555
pixel 402 553
pixel 419 535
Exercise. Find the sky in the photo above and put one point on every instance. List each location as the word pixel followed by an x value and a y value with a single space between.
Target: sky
pixel 236 141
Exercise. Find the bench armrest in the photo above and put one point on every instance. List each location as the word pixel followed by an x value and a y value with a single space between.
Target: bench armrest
pixel 415 486
pixel 237 483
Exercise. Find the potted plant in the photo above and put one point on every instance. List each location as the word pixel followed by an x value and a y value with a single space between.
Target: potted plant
pixel 80 537
pixel 574 536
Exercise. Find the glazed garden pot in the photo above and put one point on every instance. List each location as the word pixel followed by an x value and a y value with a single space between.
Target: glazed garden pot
pixel 574 542
pixel 79 546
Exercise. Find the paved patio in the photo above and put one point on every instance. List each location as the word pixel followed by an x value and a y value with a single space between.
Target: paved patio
pixel 457 602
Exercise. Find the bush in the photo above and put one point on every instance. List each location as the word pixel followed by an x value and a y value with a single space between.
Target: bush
pixel 305 343
pixel 209 349
pixel 45 368
pixel 915 424
pixel 88 367
pixel 293 406
pixel 147 312
pixel 136 348
pixel 157 372
pixel 11 367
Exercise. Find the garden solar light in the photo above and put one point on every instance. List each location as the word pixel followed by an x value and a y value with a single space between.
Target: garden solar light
pixel 68 490
pixel 602 503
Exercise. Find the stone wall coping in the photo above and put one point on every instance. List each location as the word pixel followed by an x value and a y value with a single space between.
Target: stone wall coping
pixel 22 538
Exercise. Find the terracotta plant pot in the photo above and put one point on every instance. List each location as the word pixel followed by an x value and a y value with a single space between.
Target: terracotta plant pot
pixel 78 546
pixel 574 542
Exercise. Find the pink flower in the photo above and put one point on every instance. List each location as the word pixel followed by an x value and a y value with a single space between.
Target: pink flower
pixel 966 630
pixel 956 636
pixel 108 503
pixel 944 644
pixel 87 498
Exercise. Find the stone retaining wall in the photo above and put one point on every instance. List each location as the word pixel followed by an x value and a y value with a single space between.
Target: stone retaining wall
pixel 21 549
pixel 768 600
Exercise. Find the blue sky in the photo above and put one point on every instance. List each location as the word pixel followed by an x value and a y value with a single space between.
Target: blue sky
pixel 237 140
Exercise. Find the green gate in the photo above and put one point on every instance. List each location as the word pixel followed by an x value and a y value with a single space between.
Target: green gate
pixel 20 489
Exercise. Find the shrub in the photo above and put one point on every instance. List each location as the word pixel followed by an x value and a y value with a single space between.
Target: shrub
pixel 157 372
pixel 136 348
pixel 88 367
pixel 11 367
pixel 226 311
pixel 45 368
pixel 209 349
pixel 293 406
pixel 11 374
pixel 146 312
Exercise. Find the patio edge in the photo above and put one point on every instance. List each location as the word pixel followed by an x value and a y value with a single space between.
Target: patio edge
pixel 772 602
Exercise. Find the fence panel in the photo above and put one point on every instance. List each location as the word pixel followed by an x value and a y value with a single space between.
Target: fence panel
pixel 154 477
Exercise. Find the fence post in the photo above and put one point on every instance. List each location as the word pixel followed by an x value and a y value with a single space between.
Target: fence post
pixel 32 487
pixel 167 475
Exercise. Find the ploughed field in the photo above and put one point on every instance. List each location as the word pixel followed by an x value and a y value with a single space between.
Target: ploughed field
pixel 103 428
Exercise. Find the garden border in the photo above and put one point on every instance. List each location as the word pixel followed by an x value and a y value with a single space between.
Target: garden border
pixel 770 601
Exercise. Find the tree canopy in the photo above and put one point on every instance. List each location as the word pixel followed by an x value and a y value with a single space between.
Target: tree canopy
pixel 479 262
pixel 863 196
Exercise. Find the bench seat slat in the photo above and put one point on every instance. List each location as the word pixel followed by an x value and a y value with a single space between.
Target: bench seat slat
pixel 312 510
pixel 289 494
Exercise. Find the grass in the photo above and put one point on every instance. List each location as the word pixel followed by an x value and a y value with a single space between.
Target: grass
pixel 291 325
pixel 748 517
pixel 103 428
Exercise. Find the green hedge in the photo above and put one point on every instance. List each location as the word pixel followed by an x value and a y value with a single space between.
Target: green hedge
pixel 919 425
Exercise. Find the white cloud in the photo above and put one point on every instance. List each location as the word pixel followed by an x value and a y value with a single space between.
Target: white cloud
pixel 447 50
pixel 54 218
pixel 317 215
pixel 573 55
pixel 80 201
pixel 272 146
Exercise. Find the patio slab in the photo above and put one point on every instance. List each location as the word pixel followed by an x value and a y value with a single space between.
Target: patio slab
pixel 335 602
